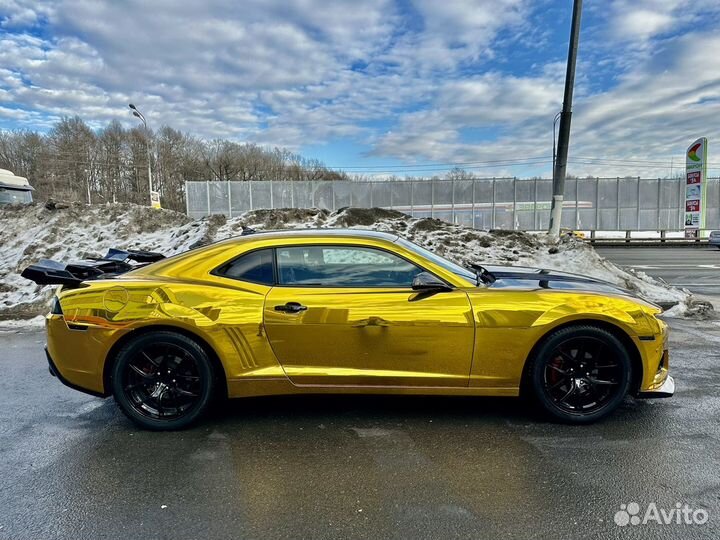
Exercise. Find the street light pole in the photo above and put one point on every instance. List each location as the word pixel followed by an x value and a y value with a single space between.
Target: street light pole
pixel 141 116
pixel 554 154
pixel 560 165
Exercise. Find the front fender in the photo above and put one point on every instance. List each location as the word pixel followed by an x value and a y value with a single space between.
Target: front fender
pixel 509 323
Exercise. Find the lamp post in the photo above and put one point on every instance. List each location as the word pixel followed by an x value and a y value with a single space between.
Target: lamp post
pixel 557 117
pixel 141 116
pixel 560 162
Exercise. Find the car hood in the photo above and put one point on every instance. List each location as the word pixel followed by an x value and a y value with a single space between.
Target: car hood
pixel 522 277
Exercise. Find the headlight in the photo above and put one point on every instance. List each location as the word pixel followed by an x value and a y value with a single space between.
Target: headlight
pixel 658 325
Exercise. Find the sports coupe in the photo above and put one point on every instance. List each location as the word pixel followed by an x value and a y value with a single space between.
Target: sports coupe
pixel 343 311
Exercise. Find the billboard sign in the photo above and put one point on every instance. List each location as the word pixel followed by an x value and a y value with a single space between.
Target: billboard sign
pixel 695 187
pixel 155 199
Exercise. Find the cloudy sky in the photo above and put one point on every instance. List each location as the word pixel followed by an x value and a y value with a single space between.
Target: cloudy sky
pixel 407 86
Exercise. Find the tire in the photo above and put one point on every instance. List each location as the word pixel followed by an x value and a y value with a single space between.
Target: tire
pixel 163 381
pixel 580 374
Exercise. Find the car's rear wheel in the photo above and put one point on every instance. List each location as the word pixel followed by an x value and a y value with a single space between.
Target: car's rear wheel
pixel 580 374
pixel 163 380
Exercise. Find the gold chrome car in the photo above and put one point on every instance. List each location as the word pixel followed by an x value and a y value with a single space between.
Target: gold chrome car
pixel 571 232
pixel 344 311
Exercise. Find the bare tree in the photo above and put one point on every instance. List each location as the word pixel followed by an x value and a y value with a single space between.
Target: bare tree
pixel 73 162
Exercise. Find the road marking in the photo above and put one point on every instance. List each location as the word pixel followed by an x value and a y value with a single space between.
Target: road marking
pixel 703 335
pixel 703 284
pixel 660 266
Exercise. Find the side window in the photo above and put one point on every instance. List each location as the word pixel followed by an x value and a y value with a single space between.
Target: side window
pixel 343 266
pixel 256 267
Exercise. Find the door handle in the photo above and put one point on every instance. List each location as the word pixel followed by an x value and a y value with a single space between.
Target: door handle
pixel 291 307
pixel 371 321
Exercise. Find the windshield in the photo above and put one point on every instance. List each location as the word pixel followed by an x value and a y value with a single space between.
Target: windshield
pixel 15 196
pixel 440 261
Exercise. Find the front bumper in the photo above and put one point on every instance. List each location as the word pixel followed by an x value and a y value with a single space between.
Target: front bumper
pixel 656 380
pixel 666 389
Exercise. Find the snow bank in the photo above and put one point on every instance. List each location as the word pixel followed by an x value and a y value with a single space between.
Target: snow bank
pixel 79 231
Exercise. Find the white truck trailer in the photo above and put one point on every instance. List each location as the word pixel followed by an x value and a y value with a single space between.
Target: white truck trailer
pixel 14 189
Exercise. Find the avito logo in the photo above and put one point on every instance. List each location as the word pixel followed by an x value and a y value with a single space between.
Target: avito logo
pixel 682 514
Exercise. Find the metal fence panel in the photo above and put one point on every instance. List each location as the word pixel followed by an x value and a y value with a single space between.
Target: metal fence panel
pixel 648 193
pixel 712 196
pixel 401 196
pixel 302 194
pixel 196 199
pixel 281 196
pixel 240 197
pixel 627 192
pixel 262 195
pixel 586 192
pixel 381 194
pixel 423 194
pixel 462 208
pixel 218 198
pixel 627 203
pixel 362 196
pixel 343 194
pixel 323 195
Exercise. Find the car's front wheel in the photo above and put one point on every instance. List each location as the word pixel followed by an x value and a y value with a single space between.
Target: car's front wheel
pixel 162 380
pixel 580 374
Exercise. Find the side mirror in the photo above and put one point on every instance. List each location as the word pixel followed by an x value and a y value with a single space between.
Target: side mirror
pixel 426 282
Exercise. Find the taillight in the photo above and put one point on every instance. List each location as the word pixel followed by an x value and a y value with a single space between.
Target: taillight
pixel 56 309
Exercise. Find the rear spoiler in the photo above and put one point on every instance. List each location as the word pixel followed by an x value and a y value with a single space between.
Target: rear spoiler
pixel 114 263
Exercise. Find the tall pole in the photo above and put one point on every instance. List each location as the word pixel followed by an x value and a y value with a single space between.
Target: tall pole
pixel 560 167
pixel 141 116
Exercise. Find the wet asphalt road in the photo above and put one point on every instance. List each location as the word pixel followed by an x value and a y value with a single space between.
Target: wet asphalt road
pixel 72 467
pixel 693 268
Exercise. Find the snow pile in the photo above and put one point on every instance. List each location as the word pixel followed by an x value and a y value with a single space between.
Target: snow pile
pixel 28 234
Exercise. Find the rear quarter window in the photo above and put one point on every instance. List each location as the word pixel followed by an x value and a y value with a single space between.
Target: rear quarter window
pixel 255 267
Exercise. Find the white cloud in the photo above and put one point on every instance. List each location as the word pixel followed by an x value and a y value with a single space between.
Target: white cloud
pixel 301 72
pixel 640 20
pixel 654 111
pixel 494 102
pixel 23 13
pixel 275 71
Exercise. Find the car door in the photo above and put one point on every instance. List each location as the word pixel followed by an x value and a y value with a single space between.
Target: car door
pixel 347 315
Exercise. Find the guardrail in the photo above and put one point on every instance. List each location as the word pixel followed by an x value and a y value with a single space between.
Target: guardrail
pixel 649 241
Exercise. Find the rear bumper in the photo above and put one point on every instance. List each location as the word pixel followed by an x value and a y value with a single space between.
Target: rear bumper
pixel 78 353
pixel 666 389
pixel 55 372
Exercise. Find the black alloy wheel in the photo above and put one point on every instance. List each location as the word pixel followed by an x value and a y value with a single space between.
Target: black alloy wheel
pixel 580 374
pixel 163 380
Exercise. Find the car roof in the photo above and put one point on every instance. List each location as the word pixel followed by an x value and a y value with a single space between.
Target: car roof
pixel 310 233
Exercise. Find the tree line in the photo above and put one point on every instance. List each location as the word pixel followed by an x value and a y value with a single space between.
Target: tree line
pixel 73 162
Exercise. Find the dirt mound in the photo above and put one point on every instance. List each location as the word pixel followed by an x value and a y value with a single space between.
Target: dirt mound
pixel 354 217
pixel 429 225
pixel 282 218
